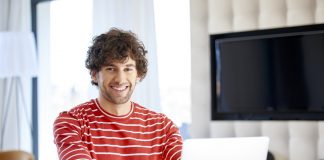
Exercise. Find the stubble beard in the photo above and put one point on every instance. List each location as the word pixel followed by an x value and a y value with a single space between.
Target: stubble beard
pixel 119 99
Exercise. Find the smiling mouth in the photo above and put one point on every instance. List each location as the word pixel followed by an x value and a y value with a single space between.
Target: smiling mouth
pixel 119 88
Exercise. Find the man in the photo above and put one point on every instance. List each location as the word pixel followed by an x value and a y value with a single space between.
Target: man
pixel 112 127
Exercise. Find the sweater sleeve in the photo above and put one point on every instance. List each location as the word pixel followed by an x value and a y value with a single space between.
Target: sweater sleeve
pixel 67 132
pixel 173 147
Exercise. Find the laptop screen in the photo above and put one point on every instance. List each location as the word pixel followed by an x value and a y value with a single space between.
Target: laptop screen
pixel 234 148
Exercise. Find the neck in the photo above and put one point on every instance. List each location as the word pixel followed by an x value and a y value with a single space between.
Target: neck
pixel 115 109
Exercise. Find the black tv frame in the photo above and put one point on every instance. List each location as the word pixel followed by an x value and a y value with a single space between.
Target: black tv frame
pixel 215 115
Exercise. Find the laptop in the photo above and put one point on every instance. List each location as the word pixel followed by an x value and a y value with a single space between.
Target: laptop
pixel 234 148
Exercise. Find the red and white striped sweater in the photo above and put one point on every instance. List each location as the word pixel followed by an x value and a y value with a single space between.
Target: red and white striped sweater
pixel 88 132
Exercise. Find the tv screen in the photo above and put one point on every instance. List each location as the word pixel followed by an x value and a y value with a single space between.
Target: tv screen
pixel 273 74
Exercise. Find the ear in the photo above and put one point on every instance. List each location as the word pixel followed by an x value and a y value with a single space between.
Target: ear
pixel 138 79
pixel 94 76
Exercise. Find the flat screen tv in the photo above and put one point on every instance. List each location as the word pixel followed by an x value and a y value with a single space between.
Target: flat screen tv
pixel 271 74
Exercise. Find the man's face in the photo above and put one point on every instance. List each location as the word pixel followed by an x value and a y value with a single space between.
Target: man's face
pixel 117 81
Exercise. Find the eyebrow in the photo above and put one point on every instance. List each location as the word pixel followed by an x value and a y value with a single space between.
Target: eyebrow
pixel 130 65
pixel 127 65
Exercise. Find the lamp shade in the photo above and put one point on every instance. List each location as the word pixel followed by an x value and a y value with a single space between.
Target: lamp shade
pixel 17 54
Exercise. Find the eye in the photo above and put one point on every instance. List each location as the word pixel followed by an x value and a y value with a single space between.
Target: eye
pixel 110 69
pixel 128 69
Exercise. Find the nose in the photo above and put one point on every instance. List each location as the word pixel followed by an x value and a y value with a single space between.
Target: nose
pixel 120 77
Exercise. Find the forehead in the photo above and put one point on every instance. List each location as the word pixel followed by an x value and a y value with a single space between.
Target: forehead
pixel 127 62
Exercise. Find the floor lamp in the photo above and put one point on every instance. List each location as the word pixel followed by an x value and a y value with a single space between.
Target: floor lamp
pixel 17 62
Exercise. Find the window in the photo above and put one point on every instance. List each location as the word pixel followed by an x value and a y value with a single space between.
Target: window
pixel 172 20
pixel 63 40
pixel 63 79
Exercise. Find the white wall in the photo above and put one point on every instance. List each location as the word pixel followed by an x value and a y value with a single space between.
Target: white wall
pixel 295 140
pixel 200 72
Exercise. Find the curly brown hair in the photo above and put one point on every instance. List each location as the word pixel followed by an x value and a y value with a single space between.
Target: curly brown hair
pixel 116 45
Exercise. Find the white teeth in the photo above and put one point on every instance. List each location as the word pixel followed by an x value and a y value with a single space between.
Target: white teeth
pixel 119 88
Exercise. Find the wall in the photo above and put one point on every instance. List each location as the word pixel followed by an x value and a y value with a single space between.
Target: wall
pixel 294 140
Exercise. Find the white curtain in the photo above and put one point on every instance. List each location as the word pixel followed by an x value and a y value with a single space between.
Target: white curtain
pixel 15 92
pixel 137 16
